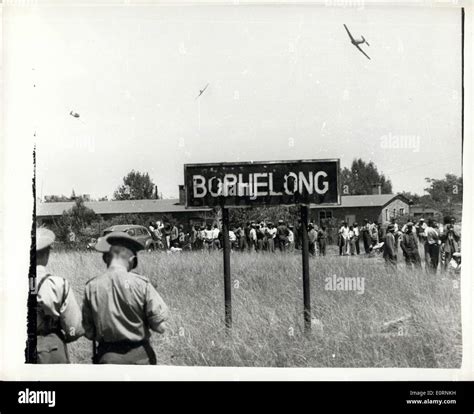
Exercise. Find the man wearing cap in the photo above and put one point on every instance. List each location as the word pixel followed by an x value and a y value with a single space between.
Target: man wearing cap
pixel 409 245
pixel 121 307
pixel 58 316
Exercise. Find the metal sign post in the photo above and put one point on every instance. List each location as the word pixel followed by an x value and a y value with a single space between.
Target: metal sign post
pixel 305 256
pixel 227 281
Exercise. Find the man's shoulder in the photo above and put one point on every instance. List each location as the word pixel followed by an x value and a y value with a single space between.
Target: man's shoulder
pixel 52 279
pixel 139 278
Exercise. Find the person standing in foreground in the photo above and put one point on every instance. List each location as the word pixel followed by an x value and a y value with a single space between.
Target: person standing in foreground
pixel 121 307
pixel 58 316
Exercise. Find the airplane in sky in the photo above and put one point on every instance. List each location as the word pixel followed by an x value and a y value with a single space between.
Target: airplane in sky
pixel 202 91
pixel 356 43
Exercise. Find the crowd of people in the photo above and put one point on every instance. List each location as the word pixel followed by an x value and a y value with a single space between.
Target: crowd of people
pixel 438 245
pixel 252 236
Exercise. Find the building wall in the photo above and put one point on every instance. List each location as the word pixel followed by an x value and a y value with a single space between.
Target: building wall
pixel 358 214
pixel 394 209
pixel 350 214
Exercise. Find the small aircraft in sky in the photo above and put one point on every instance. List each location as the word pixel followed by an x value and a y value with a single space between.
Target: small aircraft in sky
pixel 356 43
pixel 74 114
pixel 201 91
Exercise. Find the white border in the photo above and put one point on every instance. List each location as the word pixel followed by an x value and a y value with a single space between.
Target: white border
pixel 16 173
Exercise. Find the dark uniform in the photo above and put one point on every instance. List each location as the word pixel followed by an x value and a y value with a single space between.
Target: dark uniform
pixel 120 309
pixel 58 316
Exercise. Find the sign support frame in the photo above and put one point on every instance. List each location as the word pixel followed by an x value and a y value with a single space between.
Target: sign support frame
pixel 227 277
pixel 304 210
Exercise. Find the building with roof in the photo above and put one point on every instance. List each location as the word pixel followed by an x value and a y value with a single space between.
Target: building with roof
pixel 171 208
pixel 419 211
pixel 379 208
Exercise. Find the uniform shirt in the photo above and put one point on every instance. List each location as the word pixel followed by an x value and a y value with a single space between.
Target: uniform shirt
pixel 57 306
pixel 215 233
pixel 121 306
pixel 356 231
pixel 232 236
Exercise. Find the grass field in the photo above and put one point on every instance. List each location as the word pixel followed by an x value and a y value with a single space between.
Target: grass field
pixel 267 311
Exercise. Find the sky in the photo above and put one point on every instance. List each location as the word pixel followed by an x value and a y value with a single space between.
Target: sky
pixel 285 83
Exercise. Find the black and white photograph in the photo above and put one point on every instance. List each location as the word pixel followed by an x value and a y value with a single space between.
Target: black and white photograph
pixel 239 184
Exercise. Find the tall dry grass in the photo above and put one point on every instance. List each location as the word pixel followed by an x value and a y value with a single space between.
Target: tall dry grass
pixel 267 311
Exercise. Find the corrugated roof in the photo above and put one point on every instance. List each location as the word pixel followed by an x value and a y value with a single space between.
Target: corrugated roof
pixel 116 207
pixel 376 200
pixel 173 206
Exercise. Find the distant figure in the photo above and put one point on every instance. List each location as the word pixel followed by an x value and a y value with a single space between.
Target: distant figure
pixel 298 234
pixel 195 239
pixel 174 236
pixel 432 246
pixel 449 245
pixel 271 236
pixel 121 307
pixel 409 245
pixel 233 238
pixel 343 239
pixel 291 238
pixel 246 244
pixel 389 251
pixel 260 236
pixel 58 316
pixel 167 233
pixel 351 243
pixel 312 238
pixel 374 233
pixel 242 238
pixel 356 237
pixel 253 237
pixel 282 235
pixel 208 237
pixel 366 236
pixel 322 240
pixel 215 237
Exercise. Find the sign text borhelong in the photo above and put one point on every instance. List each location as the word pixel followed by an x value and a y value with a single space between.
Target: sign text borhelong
pixel 262 183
